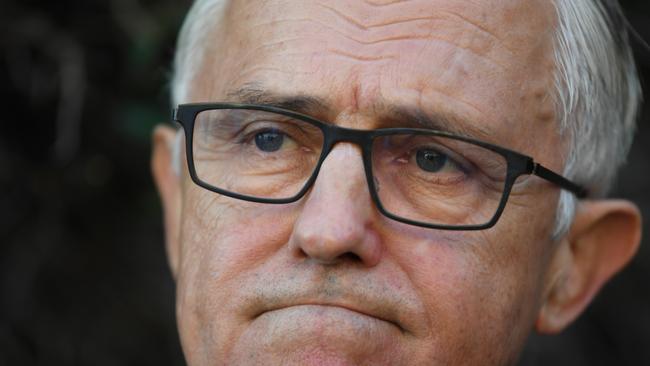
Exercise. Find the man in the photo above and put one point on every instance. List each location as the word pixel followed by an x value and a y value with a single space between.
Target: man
pixel 393 183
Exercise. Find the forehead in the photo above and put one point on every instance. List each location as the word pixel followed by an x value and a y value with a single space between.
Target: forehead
pixel 487 61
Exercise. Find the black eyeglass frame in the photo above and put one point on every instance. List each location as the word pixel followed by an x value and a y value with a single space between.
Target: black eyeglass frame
pixel 517 164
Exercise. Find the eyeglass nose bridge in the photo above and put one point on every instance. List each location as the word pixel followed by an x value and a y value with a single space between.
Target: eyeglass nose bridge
pixel 362 138
pixel 335 134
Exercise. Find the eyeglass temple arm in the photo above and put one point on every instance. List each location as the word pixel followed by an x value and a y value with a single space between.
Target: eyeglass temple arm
pixel 547 174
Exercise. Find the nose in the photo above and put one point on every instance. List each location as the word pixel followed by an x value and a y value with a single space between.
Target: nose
pixel 336 221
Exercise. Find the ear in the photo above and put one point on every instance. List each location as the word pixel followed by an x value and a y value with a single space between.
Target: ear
pixel 169 188
pixel 604 237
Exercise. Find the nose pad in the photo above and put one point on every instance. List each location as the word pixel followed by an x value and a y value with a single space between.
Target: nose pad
pixel 335 223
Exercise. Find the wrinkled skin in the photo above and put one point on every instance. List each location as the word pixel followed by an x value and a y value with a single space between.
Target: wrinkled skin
pixel 328 280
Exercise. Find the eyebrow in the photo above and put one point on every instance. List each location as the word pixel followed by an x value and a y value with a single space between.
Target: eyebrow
pixel 439 121
pixel 252 94
pixel 388 114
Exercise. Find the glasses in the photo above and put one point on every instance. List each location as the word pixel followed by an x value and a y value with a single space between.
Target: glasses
pixel 421 177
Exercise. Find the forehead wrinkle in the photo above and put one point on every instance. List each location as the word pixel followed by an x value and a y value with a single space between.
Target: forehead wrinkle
pixel 371 40
pixel 276 43
pixel 266 69
pixel 404 15
pixel 372 55
pixel 408 16
pixel 479 47
pixel 439 16
pixel 361 26
pixel 362 58
pixel 484 49
pixel 490 43
pixel 477 26
pixel 384 4
pixel 402 37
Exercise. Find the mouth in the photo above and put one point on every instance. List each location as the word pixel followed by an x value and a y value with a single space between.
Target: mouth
pixel 317 299
pixel 322 308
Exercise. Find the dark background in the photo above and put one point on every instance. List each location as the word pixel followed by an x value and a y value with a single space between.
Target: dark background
pixel 83 277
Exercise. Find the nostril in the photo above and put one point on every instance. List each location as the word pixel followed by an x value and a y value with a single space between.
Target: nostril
pixel 349 256
pixel 301 253
pixel 345 257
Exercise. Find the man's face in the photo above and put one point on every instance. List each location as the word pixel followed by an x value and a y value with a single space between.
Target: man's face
pixel 328 279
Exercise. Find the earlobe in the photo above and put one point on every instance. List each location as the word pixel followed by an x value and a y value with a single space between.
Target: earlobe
pixel 604 237
pixel 168 183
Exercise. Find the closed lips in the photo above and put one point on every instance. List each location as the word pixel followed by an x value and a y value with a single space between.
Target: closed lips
pixel 322 307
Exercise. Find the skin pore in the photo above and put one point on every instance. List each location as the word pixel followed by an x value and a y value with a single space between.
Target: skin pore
pixel 328 280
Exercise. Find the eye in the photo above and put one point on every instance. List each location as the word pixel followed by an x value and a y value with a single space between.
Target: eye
pixel 431 160
pixel 269 141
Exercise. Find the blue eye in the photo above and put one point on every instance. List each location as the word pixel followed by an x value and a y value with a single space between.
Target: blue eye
pixel 269 141
pixel 431 160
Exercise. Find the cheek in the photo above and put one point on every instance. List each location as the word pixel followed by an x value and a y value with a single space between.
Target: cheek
pixel 481 293
pixel 223 241
pixel 225 236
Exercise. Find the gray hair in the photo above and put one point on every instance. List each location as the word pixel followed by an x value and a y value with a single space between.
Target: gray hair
pixel 597 90
pixel 598 94
pixel 191 45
